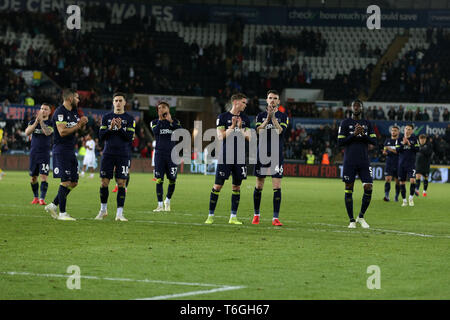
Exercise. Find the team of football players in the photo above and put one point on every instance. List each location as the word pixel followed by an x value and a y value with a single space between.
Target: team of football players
pixel 117 131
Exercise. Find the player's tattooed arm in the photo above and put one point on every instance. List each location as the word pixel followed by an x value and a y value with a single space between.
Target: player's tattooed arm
pixel 45 128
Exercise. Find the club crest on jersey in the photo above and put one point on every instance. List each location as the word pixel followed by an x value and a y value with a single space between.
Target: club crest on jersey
pixel 60 117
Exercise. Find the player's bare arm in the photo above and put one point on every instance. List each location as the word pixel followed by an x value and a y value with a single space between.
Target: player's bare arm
pixel 276 124
pixel 45 129
pixel 29 130
pixel 65 131
pixel 229 131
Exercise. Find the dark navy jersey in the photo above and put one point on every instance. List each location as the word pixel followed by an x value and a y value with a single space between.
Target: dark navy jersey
pixel 117 141
pixel 70 119
pixel 407 153
pixel 282 119
pixel 391 157
pixel 423 156
pixel 356 147
pixel 162 130
pixel 224 121
pixel 40 143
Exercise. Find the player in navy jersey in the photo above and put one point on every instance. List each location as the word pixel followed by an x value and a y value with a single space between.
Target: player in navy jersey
pixel 423 162
pixel 270 120
pixel 407 148
pixel 355 134
pixel 65 163
pixel 235 125
pixel 391 167
pixel 117 131
pixel 41 131
pixel 162 129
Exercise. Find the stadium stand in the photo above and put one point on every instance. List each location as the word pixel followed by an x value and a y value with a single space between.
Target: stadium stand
pixel 196 58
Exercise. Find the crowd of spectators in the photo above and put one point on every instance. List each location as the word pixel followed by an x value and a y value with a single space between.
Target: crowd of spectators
pixel 299 143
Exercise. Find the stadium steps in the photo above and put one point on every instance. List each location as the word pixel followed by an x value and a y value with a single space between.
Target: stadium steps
pixel 390 55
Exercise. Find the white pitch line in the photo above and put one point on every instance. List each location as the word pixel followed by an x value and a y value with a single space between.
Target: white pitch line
pixel 184 294
pixel 193 293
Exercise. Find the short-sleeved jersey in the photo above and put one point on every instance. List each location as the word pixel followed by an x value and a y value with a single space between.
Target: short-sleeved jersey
pixel 356 147
pixel 423 156
pixel 70 119
pixel 283 120
pixel 391 157
pixel 90 152
pixel 117 141
pixel 224 121
pixel 40 143
pixel 407 153
pixel 162 130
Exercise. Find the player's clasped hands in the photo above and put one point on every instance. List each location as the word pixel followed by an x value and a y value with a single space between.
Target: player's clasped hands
pixel 83 121
pixel 358 129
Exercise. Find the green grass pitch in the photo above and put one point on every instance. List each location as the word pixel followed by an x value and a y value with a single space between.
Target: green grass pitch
pixel 176 256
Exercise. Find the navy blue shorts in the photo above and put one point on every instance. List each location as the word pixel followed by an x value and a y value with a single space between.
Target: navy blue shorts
pixel 363 171
pixel 237 171
pixel 114 165
pixel 261 171
pixel 391 170
pixel 39 164
pixel 165 166
pixel 65 166
pixel 406 172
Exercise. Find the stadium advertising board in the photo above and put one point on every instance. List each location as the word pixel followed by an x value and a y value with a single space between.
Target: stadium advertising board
pixel 18 112
pixel 383 126
pixel 351 17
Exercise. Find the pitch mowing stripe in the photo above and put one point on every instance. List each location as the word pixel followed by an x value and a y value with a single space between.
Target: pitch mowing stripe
pixel 51 275
pixel 193 293
pixel 366 231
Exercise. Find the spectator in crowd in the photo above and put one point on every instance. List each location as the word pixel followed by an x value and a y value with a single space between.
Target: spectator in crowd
pixel 391 114
pixel 445 115
pixel 380 114
pixel 436 114
pixel 399 113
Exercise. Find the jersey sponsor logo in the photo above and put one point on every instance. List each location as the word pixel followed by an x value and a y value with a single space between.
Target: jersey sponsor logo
pixel 165 131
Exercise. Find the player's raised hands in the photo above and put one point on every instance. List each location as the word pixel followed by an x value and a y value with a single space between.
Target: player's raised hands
pixel 118 123
pixel 358 129
pixel 39 115
pixel 168 117
pixel 239 122
pixel 234 121
pixel 83 121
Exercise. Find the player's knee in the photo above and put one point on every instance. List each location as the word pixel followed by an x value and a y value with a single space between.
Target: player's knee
pixel 236 188
pixel 217 187
pixel 172 181
pixel 43 178
pixel 73 184
pixel 259 183
pixel 368 187
pixel 349 186
pixel 276 183
pixel 33 179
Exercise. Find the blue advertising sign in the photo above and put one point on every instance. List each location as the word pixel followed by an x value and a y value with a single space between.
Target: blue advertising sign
pixel 383 126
